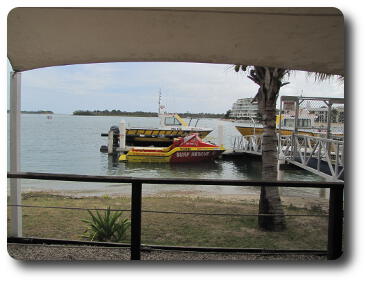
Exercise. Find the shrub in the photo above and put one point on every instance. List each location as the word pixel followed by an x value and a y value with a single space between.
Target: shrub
pixel 108 227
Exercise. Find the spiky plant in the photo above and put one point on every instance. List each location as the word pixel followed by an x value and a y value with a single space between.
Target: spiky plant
pixel 106 227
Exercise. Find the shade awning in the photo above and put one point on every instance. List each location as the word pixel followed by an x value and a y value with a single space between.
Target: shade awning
pixel 309 39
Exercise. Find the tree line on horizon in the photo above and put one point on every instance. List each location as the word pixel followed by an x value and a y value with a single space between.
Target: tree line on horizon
pixel 143 114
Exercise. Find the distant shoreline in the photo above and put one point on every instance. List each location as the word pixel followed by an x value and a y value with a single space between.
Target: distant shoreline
pixel 142 114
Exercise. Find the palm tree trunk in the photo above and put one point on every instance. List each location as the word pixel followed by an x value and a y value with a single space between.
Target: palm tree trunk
pixel 270 202
pixel 270 81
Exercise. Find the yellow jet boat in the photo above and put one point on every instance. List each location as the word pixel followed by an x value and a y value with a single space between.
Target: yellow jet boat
pixel 183 150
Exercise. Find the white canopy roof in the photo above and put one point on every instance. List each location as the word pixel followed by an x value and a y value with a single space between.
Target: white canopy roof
pixel 310 39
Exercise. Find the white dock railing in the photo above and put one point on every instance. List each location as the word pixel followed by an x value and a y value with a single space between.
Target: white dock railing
pixel 248 144
pixel 324 157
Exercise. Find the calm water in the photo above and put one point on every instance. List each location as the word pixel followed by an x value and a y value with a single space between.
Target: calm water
pixel 70 144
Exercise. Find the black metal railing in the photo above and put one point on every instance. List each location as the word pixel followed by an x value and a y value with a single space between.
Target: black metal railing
pixel 336 200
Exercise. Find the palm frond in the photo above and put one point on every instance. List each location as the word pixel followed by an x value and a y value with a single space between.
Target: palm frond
pixel 319 77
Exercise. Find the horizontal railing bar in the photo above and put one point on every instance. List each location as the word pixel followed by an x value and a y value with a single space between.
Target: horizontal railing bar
pixel 232 214
pixel 53 241
pixel 167 212
pixel 177 181
pixel 37 241
pixel 233 250
pixel 66 207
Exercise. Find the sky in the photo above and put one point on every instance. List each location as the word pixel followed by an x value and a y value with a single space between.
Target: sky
pixel 185 87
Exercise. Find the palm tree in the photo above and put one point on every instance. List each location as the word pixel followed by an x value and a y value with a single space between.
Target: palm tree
pixel 270 80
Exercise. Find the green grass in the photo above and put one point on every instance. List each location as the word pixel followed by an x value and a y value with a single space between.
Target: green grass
pixel 181 230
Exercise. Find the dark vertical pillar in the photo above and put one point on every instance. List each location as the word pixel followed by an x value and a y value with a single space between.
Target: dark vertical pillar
pixel 335 232
pixel 136 220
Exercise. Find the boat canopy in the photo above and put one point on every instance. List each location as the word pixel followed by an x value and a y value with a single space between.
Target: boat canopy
pixel 309 39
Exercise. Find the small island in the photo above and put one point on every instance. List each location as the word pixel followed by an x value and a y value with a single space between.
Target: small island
pixel 142 114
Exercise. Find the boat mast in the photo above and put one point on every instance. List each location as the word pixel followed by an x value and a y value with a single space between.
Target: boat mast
pixel 160 113
pixel 159 101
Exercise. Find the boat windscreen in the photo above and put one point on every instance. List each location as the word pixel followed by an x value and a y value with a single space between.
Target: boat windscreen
pixel 171 121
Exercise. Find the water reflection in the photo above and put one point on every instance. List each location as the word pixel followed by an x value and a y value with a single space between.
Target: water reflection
pixel 246 168
pixel 168 170
pixel 240 169
pixel 112 162
pixel 243 169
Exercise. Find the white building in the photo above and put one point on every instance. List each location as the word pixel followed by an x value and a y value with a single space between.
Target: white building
pixel 337 114
pixel 244 109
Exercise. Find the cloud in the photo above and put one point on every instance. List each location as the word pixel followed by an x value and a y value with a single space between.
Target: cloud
pixel 301 83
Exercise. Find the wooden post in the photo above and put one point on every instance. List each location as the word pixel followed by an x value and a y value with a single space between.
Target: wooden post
pixel 335 231
pixel 136 220
pixel 220 135
pixel 110 142
pixel 122 129
pixel 15 185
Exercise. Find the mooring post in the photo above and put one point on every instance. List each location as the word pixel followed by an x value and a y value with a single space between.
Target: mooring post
pixel 335 231
pixel 15 185
pixel 136 220
pixel 122 134
pixel 220 135
pixel 110 142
